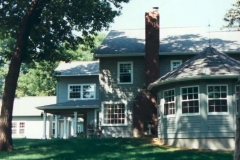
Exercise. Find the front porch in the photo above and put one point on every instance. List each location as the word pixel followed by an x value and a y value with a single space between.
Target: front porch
pixel 68 119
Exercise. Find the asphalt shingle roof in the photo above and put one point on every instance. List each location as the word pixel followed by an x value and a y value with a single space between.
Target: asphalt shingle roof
pixel 179 40
pixel 25 106
pixel 208 63
pixel 77 68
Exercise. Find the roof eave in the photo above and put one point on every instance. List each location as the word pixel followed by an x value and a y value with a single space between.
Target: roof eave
pixel 159 83
pixel 74 75
pixel 119 55
pixel 67 107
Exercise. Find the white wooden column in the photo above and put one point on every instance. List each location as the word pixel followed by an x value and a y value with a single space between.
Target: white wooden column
pixel 65 128
pixel 56 126
pixel 95 118
pixel 75 124
pixel 72 126
pixel 44 125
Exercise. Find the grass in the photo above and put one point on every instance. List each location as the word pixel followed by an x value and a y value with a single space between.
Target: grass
pixel 103 149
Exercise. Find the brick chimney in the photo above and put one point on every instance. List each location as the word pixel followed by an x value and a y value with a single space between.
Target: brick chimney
pixel 151 46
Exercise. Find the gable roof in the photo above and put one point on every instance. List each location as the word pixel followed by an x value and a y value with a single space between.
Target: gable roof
pixel 209 64
pixel 172 40
pixel 77 68
pixel 25 106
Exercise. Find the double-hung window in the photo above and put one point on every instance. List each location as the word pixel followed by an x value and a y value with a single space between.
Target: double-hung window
pixel 14 127
pixel 217 99
pixel 81 91
pixel 18 128
pixel 125 72
pixel 190 100
pixel 169 102
pixel 114 113
pixel 175 64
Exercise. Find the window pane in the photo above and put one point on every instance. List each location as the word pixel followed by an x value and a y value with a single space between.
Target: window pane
pixel 195 89
pixel 125 77
pixel 223 95
pixel 184 90
pixel 224 108
pixel 210 89
pixel 223 88
pixel 190 96
pixel 217 89
pixel 195 96
pixel 184 110
pixel 184 97
pixel 190 90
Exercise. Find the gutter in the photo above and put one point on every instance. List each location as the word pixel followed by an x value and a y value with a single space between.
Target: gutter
pixel 119 55
pixel 160 54
pixel 67 107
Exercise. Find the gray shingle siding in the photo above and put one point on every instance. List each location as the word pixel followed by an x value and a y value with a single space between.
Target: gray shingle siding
pixel 165 62
pixel 63 82
pixel 110 90
pixel 203 125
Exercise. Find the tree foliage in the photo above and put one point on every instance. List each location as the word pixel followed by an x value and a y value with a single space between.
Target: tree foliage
pixel 41 29
pixel 55 25
pixel 232 17
pixel 36 78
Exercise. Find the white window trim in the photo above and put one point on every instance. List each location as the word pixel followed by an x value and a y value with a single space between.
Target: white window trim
pixel 172 61
pixel 18 128
pixel 113 102
pixel 118 72
pixel 235 96
pixel 218 113
pixel 81 91
pixel 171 115
pixel 159 105
pixel 199 105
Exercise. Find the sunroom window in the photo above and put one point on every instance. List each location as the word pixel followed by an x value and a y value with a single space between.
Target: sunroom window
pixel 190 100
pixel 217 98
pixel 81 91
pixel 169 102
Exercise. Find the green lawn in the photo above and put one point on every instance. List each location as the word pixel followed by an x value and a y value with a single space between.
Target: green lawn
pixel 102 149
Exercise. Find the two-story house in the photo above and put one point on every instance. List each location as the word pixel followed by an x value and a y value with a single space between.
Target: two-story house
pixel 182 83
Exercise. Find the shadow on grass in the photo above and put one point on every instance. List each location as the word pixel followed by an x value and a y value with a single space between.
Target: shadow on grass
pixel 102 149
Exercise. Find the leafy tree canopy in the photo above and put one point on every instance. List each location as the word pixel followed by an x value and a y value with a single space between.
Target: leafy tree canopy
pixel 232 17
pixel 36 78
pixel 52 32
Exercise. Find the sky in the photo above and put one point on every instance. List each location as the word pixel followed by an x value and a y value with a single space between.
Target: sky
pixel 175 13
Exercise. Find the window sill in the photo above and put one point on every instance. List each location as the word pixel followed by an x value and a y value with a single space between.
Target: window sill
pixel 125 83
pixel 114 125
pixel 190 114
pixel 219 113
pixel 169 116
pixel 74 99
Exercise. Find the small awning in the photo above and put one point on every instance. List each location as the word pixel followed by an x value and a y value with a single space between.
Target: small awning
pixel 69 107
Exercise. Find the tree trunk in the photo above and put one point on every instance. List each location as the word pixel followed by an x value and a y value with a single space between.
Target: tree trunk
pixel 31 18
pixel 237 139
pixel 237 133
